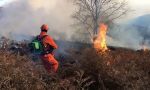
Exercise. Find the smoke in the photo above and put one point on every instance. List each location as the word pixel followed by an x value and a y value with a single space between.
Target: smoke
pixel 21 19
pixel 129 35
pixel 24 17
pixel 125 36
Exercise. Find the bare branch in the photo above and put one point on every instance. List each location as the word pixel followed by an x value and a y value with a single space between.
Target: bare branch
pixel 92 12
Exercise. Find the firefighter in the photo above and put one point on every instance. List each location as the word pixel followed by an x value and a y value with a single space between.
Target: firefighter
pixel 50 63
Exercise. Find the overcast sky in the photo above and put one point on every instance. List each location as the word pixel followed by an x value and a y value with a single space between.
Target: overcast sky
pixel 140 6
pixel 3 2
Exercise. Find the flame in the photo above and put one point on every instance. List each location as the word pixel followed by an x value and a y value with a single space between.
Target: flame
pixel 100 40
pixel 144 46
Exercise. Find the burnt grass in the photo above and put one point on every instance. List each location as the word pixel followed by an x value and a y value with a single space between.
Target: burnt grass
pixel 84 69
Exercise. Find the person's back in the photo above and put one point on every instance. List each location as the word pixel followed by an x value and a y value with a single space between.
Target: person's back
pixel 50 63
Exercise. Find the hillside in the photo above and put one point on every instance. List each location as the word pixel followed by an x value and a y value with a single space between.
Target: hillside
pixel 118 68
pixel 142 21
pixel 141 25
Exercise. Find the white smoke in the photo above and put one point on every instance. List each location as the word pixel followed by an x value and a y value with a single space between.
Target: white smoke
pixel 24 17
pixel 130 35
pixel 124 36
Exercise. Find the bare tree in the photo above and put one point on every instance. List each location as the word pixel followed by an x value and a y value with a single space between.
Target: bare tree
pixel 90 13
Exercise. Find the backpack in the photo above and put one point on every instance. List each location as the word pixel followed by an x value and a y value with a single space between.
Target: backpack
pixel 36 46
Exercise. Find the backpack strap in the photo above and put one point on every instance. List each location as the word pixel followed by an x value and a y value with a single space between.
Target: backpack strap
pixel 44 37
pixel 41 38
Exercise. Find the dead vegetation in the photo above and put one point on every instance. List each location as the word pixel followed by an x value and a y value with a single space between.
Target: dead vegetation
pixel 84 69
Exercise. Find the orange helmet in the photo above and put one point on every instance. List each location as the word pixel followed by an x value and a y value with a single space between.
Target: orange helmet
pixel 44 27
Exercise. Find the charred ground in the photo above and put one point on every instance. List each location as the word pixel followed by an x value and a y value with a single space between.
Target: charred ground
pixel 84 68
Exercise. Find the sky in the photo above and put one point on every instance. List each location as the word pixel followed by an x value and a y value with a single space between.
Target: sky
pixel 137 3
pixel 139 7
pixel 3 2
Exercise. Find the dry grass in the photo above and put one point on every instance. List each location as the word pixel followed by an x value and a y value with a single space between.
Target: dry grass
pixel 21 73
pixel 117 69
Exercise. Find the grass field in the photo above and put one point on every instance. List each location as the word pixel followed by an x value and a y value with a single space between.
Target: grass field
pixel 84 69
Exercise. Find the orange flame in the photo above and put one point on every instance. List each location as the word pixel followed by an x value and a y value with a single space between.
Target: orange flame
pixel 144 47
pixel 100 40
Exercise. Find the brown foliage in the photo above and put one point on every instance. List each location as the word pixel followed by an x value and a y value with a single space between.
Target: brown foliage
pixel 118 68
pixel 83 69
